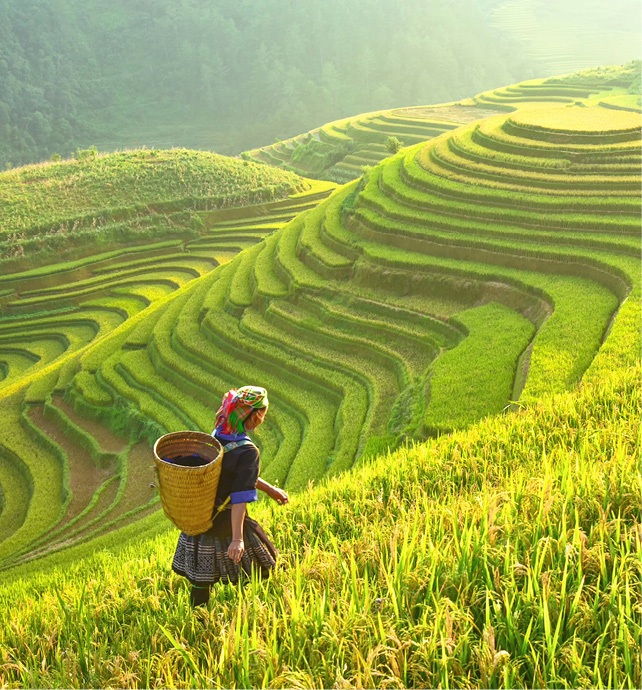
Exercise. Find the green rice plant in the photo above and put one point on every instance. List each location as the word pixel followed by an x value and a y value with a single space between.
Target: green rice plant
pixel 133 377
pixel 263 276
pixel 332 231
pixel 67 266
pixel 611 270
pixel 132 264
pixel 88 389
pixel 98 352
pixel 358 399
pixel 415 174
pixel 505 555
pixel 387 308
pixel 95 509
pixel 483 216
pixel 16 362
pixel 241 293
pixel 475 378
pixel 49 482
pixel 85 317
pixel 190 266
pixel 77 435
pixel 173 279
pixel 309 245
pixel 37 352
pixel 41 389
pixel 463 144
pixel 287 265
pixel 493 134
pixel 409 134
pixel 278 371
pixel 140 335
pixel 141 292
pixel 445 160
pixel 455 224
pixel 16 490
pixel 575 125
pixel 570 336
pixel 365 317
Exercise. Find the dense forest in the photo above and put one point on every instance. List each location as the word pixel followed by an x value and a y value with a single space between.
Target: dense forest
pixel 231 74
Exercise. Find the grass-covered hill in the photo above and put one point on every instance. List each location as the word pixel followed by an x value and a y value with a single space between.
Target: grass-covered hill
pixel 339 150
pixel 75 207
pixel 452 348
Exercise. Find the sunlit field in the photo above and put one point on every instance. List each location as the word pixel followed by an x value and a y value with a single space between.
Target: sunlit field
pixel 444 305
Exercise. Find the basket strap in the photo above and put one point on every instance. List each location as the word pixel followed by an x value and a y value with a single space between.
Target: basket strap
pixel 222 507
pixel 236 444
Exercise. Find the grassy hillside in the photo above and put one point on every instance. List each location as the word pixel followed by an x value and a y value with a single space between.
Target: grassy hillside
pixel 504 556
pixel 57 209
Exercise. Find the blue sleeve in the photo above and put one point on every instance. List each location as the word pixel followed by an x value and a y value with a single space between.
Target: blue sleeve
pixel 243 489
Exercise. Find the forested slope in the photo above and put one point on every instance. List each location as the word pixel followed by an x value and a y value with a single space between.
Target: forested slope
pixel 227 76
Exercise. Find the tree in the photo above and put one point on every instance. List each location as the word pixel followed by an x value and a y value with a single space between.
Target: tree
pixel 393 144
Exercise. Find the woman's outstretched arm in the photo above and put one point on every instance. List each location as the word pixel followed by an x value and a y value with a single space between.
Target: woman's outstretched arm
pixel 274 492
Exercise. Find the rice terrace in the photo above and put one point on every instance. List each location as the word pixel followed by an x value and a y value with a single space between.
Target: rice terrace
pixel 443 302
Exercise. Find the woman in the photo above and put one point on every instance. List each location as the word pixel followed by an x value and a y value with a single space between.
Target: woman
pixel 235 543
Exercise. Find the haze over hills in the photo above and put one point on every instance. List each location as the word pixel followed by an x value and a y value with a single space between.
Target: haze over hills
pixel 229 76
pixel 572 35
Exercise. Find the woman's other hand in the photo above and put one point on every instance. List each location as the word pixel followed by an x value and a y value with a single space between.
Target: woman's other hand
pixel 278 495
pixel 235 550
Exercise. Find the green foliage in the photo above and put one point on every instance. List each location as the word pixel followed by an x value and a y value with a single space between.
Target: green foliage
pixel 86 155
pixel 606 75
pixel 393 145
pixel 450 281
pixel 315 156
pixel 476 377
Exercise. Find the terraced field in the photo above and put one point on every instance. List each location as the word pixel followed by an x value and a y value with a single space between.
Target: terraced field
pixel 484 267
pixel 74 208
pixel 494 261
pixel 65 478
pixel 340 150
pixel 422 331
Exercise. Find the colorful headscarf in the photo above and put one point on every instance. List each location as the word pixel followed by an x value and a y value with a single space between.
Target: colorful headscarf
pixel 237 406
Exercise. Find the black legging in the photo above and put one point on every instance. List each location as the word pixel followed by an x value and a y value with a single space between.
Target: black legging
pixel 200 595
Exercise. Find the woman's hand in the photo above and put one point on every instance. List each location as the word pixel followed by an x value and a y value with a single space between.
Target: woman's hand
pixel 236 550
pixel 278 495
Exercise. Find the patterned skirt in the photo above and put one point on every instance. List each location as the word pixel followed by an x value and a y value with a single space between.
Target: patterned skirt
pixel 203 559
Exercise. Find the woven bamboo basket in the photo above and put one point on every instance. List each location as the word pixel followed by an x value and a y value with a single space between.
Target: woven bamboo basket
pixel 187 493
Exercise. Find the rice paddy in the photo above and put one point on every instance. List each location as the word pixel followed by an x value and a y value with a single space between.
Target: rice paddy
pixel 451 343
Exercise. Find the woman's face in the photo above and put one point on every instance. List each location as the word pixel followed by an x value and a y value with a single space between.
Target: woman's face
pixel 255 419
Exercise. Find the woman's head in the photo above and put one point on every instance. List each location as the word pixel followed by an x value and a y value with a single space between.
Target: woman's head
pixel 242 410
